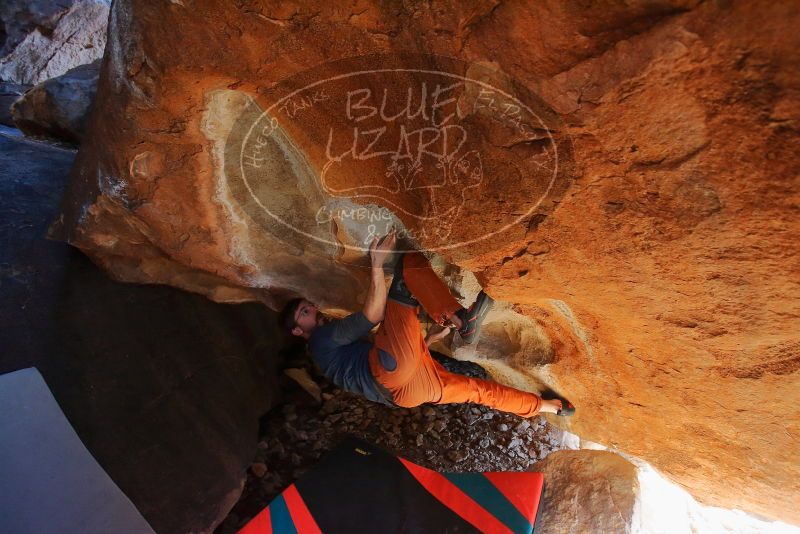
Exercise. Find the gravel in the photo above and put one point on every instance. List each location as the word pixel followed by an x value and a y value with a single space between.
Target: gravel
pixel 454 438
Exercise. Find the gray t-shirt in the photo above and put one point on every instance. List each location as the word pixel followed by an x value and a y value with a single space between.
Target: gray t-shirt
pixel 343 356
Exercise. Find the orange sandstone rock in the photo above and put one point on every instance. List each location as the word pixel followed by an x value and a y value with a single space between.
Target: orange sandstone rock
pixel 651 276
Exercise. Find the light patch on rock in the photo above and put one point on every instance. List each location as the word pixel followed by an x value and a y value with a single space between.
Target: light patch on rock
pixel 509 343
pixel 576 327
pixel 222 109
pixel 265 250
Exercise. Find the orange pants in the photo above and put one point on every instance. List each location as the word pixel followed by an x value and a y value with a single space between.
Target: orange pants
pixel 415 377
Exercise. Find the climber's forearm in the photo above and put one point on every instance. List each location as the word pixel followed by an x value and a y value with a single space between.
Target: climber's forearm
pixel 375 304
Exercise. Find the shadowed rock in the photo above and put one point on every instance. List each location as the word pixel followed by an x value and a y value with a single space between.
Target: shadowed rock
pixel 59 107
pixel 164 387
pixel 9 93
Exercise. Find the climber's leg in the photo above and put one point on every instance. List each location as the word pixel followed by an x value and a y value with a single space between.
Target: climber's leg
pixel 428 288
pixel 459 388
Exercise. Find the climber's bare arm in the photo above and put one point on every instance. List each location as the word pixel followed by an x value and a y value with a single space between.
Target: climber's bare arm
pixel 375 304
pixel 376 296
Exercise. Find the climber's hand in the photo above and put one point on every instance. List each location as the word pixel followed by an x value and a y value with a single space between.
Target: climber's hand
pixel 380 249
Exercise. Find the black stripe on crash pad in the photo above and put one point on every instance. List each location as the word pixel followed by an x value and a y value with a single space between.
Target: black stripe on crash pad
pixel 360 488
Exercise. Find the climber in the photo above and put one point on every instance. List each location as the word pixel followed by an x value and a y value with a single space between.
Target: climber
pixel 397 369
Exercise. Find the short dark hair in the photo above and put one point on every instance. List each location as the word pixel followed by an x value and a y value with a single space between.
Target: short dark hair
pixel 286 317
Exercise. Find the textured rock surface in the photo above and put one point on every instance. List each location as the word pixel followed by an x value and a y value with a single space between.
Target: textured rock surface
pixel 59 107
pixel 658 289
pixel 18 18
pixel 62 36
pixel 165 388
pixel 9 93
pixel 589 491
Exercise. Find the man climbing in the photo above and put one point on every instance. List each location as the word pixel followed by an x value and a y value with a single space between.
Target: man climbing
pixel 398 368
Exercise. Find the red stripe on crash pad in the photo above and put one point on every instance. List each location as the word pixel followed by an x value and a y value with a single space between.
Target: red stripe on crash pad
pixel 302 518
pixel 455 499
pixel 523 490
pixel 260 524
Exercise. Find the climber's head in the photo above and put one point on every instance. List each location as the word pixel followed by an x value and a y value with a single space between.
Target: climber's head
pixel 300 317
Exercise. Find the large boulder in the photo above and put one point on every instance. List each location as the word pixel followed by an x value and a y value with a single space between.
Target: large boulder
pixel 622 176
pixel 165 388
pixel 18 18
pixel 589 491
pixel 602 491
pixel 60 36
pixel 59 107
pixel 9 93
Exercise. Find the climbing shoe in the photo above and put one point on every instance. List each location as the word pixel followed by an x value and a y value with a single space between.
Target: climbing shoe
pixel 398 290
pixel 567 408
pixel 472 317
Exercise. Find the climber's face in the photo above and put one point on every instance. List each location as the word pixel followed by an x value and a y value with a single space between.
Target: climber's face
pixel 306 318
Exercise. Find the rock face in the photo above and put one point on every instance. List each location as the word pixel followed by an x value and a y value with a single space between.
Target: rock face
pixel 589 491
pixel 59 107
pixel 58 36
pixel 21 17
pixel 623 177
pixel 9 93
pixel 164 387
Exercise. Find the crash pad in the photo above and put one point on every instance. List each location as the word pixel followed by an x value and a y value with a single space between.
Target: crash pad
pixel 358 487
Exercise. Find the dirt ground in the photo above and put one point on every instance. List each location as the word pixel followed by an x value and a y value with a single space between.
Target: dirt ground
pixel 454 438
